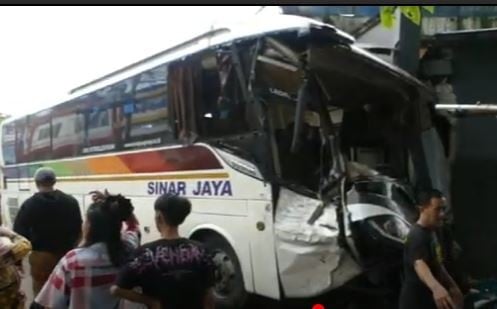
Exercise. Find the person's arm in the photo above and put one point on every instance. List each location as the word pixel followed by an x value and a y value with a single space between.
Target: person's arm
pixel 128 278
pixel 418 253
pixel 209 301
pixel 19 249
pixel 135 297
pixel 76 223
pixel 23 222
pixel 440 294
pixel 131 233
pixel 454 290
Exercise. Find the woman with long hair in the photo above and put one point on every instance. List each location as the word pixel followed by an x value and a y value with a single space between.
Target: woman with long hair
pixel 83 277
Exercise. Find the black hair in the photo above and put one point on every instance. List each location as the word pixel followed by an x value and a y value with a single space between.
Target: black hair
pixel 173 208
pixel 105 218
pixel 45 183
pixel 424 196
pixel 45 177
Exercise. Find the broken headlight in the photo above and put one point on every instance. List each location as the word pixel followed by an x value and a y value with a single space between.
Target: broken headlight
pixel 390 227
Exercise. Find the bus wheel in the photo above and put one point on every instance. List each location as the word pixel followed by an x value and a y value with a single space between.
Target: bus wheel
pixel 229 290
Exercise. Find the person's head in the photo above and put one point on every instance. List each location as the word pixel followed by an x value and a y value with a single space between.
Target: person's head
pixel 171 211
pixel 45 179
pixel 431 204
pixel 103 224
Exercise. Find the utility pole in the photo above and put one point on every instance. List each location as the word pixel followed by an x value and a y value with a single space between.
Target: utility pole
pixel 409 45
pixel 408 59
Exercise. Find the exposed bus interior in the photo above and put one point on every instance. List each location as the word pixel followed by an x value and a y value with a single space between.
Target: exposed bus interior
pixel 353 116
pixel 244 96
pixel 356 118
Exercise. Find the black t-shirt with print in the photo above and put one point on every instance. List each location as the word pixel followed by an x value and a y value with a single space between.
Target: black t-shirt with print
pixel 177 272
pixel 421 244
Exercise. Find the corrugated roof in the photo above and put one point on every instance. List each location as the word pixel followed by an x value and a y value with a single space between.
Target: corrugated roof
pixel 473 34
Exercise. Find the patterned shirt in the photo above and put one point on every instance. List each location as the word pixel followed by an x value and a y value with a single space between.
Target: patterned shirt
pixel 177 272
pixel 83 277
pixel 9 277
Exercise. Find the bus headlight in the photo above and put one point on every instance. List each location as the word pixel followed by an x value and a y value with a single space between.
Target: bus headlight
pixel 390 227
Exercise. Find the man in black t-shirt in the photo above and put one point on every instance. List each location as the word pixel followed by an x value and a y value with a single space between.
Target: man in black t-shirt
pixel 427 284
pixel 172 272
pixel 51 220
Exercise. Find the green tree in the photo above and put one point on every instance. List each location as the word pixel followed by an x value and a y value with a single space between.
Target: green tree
pixel 413 13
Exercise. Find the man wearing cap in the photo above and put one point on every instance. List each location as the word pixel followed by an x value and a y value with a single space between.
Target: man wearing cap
pixel 51 221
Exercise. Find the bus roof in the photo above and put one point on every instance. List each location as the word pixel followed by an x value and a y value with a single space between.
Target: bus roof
pixel 257 25
pixel 253 27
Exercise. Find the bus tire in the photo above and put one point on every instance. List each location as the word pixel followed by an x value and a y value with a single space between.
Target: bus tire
pixel 229 289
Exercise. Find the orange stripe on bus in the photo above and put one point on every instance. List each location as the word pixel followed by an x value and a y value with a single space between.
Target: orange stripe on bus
pixel 136 178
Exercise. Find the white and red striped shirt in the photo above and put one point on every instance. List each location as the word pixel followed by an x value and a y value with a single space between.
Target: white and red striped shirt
pixel 83 277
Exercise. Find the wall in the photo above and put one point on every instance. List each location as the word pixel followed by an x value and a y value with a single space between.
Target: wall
pixel 474 170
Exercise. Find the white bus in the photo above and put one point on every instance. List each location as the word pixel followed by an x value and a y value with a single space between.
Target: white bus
pixel 295 147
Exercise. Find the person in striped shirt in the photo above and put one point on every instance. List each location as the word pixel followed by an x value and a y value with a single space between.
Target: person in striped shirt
pixel 83 277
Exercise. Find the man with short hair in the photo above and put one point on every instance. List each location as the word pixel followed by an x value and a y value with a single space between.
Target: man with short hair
pixel 427 283
pixel 51 221
pixel 173 272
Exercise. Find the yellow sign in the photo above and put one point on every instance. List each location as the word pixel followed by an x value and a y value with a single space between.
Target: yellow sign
pixel 387 16
pixel 413 13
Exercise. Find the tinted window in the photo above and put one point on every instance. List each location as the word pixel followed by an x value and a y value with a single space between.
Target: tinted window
pixel 38 137
pixel 223 107
pixel 8 143
pixel 67 131
pixel 146 112
pixel 22 151
pixel 371 187
pixel 97 121
pixel 127 115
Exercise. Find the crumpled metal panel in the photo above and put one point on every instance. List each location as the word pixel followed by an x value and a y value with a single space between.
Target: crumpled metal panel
pixel 292 213
pixel 310 262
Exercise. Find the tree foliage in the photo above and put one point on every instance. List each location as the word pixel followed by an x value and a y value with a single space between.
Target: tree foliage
pixel 413 13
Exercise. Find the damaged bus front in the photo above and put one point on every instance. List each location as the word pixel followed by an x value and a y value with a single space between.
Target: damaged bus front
pixel 348 133
pixel 336 133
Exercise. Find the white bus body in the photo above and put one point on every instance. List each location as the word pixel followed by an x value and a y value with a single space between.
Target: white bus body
pixel 261 225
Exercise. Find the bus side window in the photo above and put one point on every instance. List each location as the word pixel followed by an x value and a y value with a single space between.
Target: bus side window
pixel 39 138
pixel 147 111
pixel 21 139
pixel 223 110
pixel 66 132
pixel 9 143
pixel 95 120
pixel 98 135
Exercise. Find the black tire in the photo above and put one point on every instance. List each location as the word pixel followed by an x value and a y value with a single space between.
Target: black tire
pixel 231 294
